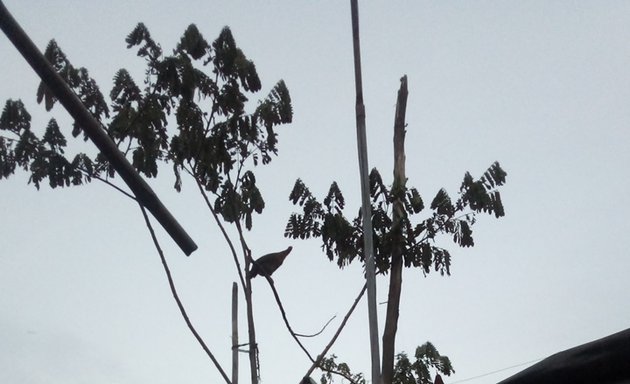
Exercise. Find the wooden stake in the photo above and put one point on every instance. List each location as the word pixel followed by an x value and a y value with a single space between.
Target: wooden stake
pixel 234 333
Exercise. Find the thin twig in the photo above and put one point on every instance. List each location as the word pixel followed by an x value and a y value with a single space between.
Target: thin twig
pixel 284 317
pixel 318 333
pixel 317 362
pixel 129 195
pixel 220 225
pixel 442 225
pixel 178 301
pixel 247 253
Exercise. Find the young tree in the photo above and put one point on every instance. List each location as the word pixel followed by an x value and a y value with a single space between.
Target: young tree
pixel 202 89
pixel 401 238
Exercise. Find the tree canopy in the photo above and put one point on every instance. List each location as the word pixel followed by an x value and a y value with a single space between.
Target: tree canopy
pixel 342 238
pixel 205 87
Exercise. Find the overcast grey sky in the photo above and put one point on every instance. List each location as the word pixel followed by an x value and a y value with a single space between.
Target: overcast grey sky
pixel 543 87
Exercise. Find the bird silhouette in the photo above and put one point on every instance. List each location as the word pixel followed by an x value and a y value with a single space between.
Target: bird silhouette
pixel 267 265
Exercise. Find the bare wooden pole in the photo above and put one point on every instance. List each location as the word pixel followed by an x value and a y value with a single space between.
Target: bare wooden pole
pixel 234 333
pixel 93 129
pixel 395 274
pixel 365 194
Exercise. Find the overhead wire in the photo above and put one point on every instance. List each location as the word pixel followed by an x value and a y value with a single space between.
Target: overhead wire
pixel 497 371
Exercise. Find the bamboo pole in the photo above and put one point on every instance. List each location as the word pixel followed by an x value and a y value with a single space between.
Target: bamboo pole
pixel 93 129
pixel 234 333
pixel 365 194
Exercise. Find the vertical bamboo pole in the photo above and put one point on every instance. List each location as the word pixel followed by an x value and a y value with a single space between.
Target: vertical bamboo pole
pixel 234 333
pixel 365 193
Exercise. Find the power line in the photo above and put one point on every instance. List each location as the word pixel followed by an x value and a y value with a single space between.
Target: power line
pixel 497 371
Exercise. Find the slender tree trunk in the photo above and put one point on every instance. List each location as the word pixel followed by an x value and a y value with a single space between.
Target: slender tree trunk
pixel 251 328
pixel 253 346
pixel 395 274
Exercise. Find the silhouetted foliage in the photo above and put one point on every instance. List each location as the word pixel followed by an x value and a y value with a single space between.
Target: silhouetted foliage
pixel 399 238
pixel 202 89
pixel 330 364
pixel 427 360
pixel 188 112
pixel 419 372
pixel 342 239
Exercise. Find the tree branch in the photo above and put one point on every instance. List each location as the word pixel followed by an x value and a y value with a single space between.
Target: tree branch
pixel 177 300
pixel 129 195
pixel 318 361
pixel 245 281
pixel 284 317
pixel 441 226
pixel 320 331
pixel 220 225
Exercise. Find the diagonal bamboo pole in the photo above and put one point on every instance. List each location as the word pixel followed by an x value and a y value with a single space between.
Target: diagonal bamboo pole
pixel 93 129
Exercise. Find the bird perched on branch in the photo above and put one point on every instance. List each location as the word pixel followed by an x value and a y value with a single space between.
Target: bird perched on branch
pixel 267 265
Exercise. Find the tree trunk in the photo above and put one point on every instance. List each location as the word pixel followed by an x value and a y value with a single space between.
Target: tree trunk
pixel 253 346
pixel 395 273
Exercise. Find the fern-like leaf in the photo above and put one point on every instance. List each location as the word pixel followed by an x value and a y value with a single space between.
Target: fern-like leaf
pixel 377 187
pixel 494 176
pixel 413 201
pixel 193 43
pixel 53 137
pixel 125 90
pixel 299 193
pixel 139 35
pixel 442 203
pixel 334 200
pixel 497 205
pixel 14 117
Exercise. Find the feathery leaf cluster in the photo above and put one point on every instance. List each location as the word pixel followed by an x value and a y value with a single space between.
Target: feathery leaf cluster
pixel 202 87
pixel 418 372
pixel 342 239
